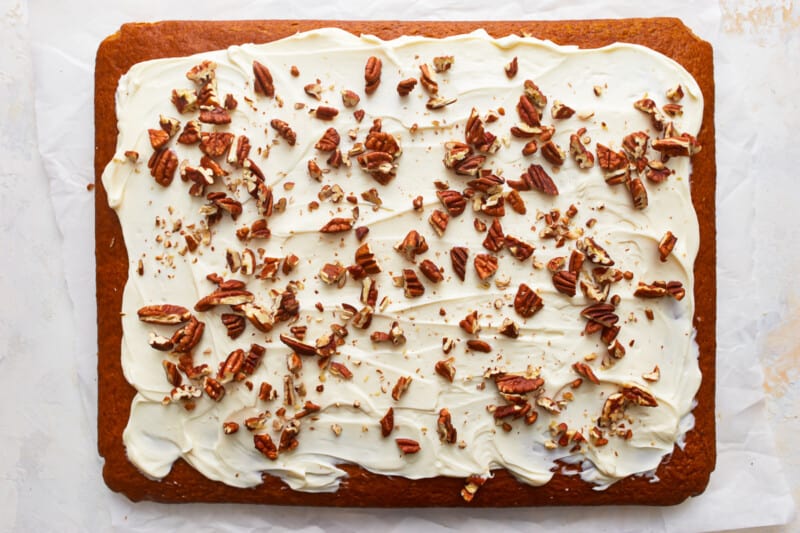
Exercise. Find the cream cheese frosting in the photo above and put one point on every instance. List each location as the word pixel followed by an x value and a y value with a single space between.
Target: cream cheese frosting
pixel 154 217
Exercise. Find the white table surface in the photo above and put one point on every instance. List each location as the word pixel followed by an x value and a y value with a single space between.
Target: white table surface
pixel 49 468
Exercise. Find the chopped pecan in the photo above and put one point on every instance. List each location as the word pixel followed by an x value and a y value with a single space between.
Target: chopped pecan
pixel 266 392
pixel 527 111
pixel 665 245
pixel 455 153
pixel 509 328
pixel 446 368
pixel 229 428
pixel 657 172
pixel 263 443
pixel 638 395
pixel 495 239
pixel 214 389
pixel 372 74
pixel 534 94
pixel 184 100
pixel 527 302
pixel 173 374
pixel 411 245
pixel 653 376
pixel 158 138
pixel 339 370
pixel 297 346
pixel 485 266
pixel 438 102
pixel 215 143
pixel 333 274
pixel 470 323
pixel 472 485
pixel 493 206
pixel 594 252
pixel 337 225
pixel 638 193
pixel 253 359
pixel 553 153
pixel 453 201
pixel 511 68
pixel 387 422
pixel 517 384
pixel 518 248
pixel 428 80
pixel 361 232
pixel 516 202
pixel 431 271
pixel 404 87
pixel 443 63
pixel 284 130
pixel 444 425
pixel 565 282
pixel 159 342
pixel 366 259
pixel 438 221
pixel 412 287
pixel 408 446
pixel 350 98
pixel 232 365
pixel 401 387
pixel 675 93
pixel 164 314
pixel 582 156
pixel 487 183
pixel 683 145
pixel 535 178
pixel 586 371
pixel 379 165
pixel 458 258
pixel 561 111
pixel 325 112
pixel 329 141
pixel 188 336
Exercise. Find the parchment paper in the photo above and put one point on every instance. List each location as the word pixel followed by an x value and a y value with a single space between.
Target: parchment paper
pixel 746 490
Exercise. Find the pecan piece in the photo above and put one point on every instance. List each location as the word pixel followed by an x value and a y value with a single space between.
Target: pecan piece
pixel 329 141
pixel 428 79
pixel 172 373
pixel 519 249
pixel 188 336
pixel 438 102
pixel 339 370
pixel 431 271
pixel 264 444
pixel 453 201
pixel 372 74
pixel 509 328
pixel 517 384
pixel 184 100
pixel 516 202
pixel 284 130
pixel 594 252
pixel 337 225
pixel 535 178
pixel 224 297
pixel 495 239
pixel 234 324
pixel 444 426
pixel 164 314
pixel 560 111
pixel 366 259
pixel 665 245
pixel 263 80
pixel 333 274
pixel 411 245
pixel 601 313
pixel 446 369
pixel 565 282
pixel 485 265
pixel 527 302
pixel 638 193
pixel 405 87
pixel 553 153
pixel 438 221
pixel 586 371
pixel 158 138
pixel 479 346
pixel 511 68
pixel 470 323
pixel 582 156
pixel 638 395
pixel 387 422
pixel 528 112
pixel 408 446
pixel 458 257
pixel 297 346
pixel 648 106
pixel 214 389
pixel 401 387
pixel 412 287
pixel 162 166
pixel 683 145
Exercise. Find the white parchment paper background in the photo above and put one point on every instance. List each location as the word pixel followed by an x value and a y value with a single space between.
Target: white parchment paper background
pixel 51 471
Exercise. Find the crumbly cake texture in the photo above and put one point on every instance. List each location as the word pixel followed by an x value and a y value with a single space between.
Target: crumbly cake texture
pixel 682 474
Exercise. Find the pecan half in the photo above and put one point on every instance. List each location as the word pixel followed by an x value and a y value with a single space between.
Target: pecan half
pixel 565 282
pixel 411 245
pixel 339 370
pixel 224 297
pixel 297 346
pixel 516 202
pixel 458 258
pixel 405 86
pixel 431 271
pixel 372 74
pixel 387 422
pixel 527 111
pixel 329 141
pixel 408 446
pixel 162 165
pixel 215 143
pixel 263 80
pixel 553 153
pixel 517 384
pixel 479 346
pixel 164 314
pixel 601 313
pixel 527 302
pixel 453 201
pixel 638 193
pixel 586 371
pixel 444 426
pixel 214 389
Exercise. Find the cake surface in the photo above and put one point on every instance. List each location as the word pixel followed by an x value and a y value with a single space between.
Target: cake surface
pixel 343 414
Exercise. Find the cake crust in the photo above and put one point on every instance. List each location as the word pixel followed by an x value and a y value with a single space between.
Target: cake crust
pixel 685 473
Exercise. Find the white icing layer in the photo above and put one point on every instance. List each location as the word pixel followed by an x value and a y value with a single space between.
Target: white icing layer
pixel 550 341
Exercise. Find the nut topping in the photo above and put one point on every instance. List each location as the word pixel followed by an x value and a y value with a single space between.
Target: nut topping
pixel 470 323
pixel 224 297
pixel 553 153
pixel 511 68
pixel 263 80
pixel 527 302
pixel 438 221
pixel 495 240
pixel 297 346
pixel 401 387
pixel 565 282
pixel 164 314
pixel 387 423
pixel 601 313
pixel 683 145
pixel 162 165
pixel 458 257
pixel 234 324
pixel 561 111
pixel 428 80
pixel 535 178
pixel 594 252
pixel 337 225
pixel 329 141
pixel 412 287
pixel 408 446
pixel 586 371
pixel 446 368
pixel 443 63
pixel 411 245
pixel 479 346
pixel 372 74
pixel 431 271
pixel 452 201
pixel 666 245
pixel 509 328
pixel 284 130
pixel 485 265
pixel 444 426
pixel 405 86
pixel 366 259
pixel 264 444
pixel 519 249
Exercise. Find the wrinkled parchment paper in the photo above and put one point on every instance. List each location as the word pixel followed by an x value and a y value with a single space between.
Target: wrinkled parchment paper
pixel 746 490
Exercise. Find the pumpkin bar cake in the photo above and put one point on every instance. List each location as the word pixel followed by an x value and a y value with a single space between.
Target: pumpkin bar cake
pixel 406 264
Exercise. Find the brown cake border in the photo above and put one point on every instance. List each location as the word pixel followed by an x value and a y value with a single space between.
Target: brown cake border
pixel 685 473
